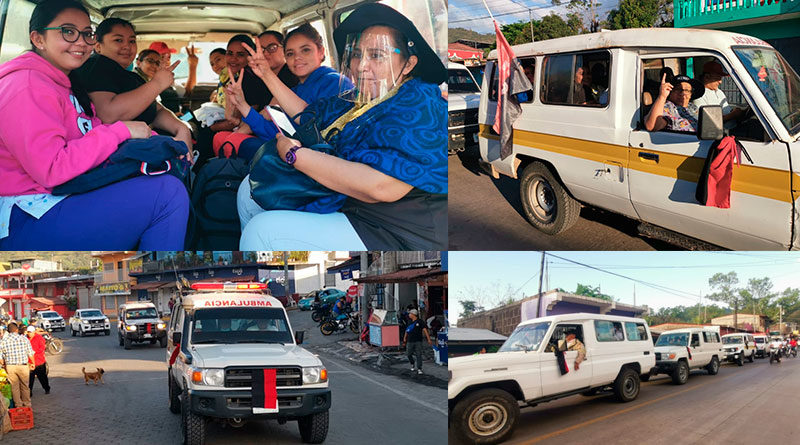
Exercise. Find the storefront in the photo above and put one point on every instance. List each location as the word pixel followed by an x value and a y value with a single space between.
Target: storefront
pixel 109 296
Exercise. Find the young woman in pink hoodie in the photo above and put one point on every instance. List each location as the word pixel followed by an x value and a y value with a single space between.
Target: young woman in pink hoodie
pixel 50 133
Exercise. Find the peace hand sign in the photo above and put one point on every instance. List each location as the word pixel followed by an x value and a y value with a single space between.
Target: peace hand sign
pixel 164 75
pixel 256 60
pixel 234 93
pixel 192 56
pixel 666 87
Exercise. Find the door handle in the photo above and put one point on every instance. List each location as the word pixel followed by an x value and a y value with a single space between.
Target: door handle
pixel 648 156
pixel 646 352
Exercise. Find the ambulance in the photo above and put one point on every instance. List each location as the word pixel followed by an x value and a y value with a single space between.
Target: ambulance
pixel 232 357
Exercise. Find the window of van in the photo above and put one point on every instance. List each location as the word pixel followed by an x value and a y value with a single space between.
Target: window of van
pixel 16 38
pixel 558 339
pixel 635 331
pixel 710 337
pixel 608 330
pixel 576 79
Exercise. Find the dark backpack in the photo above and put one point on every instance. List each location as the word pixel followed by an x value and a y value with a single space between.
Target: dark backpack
pixel 214 223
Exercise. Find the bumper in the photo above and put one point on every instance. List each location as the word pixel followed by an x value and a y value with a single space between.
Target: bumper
pixel 664 367
pixel 730 356
pixel 292 403
pixel 144 336
pixel 95 328
pixel 460 138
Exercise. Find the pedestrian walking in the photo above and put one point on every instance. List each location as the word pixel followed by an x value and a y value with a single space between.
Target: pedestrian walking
pixel 412 340
pixel 17 357
pixel 39 344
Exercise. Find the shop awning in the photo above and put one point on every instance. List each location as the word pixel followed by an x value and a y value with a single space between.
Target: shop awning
pixel 45 302
pixel 150 285
pixel 239 279
pixel 403 276
pixel 351 265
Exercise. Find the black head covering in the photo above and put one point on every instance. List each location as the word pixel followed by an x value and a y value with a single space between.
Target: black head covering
pixel 429 67
pixel 698 89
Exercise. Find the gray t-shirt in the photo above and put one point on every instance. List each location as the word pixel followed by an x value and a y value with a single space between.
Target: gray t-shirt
pixel 714 97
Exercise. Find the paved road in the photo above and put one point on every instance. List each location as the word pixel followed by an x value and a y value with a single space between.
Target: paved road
pixel 132 405
pixel 486 214
pixel 754 404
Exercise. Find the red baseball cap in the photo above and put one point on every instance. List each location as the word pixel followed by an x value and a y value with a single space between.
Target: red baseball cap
pixel 162 48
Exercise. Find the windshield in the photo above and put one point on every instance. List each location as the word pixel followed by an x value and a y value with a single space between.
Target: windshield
pixel 459 81
pixel 91 314
pixel 759 340
pixel 677 339
pixel 527 337
pixel 732 340
pixel 776 80
pixel 148 312
pixel 240 325
pixel 49 314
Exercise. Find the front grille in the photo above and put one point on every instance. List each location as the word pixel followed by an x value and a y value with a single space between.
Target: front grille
pixel 96 322
pixel 462 117
pixel 283 402
pixel 658 356
pixel 142 328
pixel 243 377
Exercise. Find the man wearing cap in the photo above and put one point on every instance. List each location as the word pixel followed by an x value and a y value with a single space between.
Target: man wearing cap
pixel 673 109
pixel 38 344
pixel 17 357
pixel 712 78
pixel 173 94
pixel 412 340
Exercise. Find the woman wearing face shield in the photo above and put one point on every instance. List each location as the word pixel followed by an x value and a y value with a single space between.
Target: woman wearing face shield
pixel 389 134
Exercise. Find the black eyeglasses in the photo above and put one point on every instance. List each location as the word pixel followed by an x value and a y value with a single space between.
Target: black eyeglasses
pixel 71 34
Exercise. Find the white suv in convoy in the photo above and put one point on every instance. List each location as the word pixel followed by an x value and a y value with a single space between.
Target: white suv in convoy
pixel 232 358
pixel 89 320
pixel 737 347
pixel 681 350
pixel 763 347
pixel 463 99
pixel 485 390
pixel 50 321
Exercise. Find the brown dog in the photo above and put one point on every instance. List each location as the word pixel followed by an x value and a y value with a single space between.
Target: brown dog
pixel 96 376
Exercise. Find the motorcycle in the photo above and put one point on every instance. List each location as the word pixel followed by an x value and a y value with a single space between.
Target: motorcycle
pixel 319 311
pixel 791 351
pixel 52 344
pixel 328 327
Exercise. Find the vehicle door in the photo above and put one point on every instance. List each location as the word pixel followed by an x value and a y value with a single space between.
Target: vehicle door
pixel 665 167
pixel 553 382
pixel 699 352
pixel 641 348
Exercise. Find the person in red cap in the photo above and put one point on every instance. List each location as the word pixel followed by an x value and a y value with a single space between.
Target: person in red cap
pixel 712 78
pixel 166 57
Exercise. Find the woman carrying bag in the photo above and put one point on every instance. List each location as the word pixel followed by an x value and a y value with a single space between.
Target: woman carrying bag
pixel 387 135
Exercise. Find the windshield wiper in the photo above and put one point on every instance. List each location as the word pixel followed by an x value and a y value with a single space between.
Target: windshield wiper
pixel 195 342
pixel 260 341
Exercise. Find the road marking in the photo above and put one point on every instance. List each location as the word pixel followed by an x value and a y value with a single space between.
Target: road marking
pixel 614 414
pixel 390 389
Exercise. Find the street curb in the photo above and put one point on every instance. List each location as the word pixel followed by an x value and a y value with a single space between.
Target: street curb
pixel 377 362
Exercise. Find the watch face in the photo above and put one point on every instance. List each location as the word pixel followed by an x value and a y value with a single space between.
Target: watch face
pixel 290 156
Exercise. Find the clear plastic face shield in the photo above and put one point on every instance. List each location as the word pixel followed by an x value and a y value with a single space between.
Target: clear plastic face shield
pixel 374 63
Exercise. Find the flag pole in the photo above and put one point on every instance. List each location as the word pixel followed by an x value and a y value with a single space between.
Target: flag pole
pixel 488 10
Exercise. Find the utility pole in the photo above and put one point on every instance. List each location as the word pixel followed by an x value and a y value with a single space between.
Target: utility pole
pixel 541 276
pixel 286 276
pixel 530 16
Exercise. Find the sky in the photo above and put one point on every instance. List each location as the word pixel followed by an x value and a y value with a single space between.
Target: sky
pixel 472 14
pixel 685 274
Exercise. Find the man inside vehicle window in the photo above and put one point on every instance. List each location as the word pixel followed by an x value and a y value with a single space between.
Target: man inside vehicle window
pixel 712 78
pixel 673 109
pixel 580 86
pixel 571 343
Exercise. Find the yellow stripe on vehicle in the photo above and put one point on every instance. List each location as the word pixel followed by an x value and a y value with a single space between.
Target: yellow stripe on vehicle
pixel 752 180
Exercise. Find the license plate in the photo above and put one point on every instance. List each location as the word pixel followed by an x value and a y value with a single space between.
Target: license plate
pixel 147 335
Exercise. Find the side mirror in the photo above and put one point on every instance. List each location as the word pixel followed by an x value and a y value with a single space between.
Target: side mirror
pixel 709 123
pixel 298 337
pixel 176 337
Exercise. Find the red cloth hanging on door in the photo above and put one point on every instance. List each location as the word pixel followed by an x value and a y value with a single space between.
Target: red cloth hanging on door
pixel 714 184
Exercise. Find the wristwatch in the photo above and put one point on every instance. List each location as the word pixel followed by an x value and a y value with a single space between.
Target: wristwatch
pixel 291 157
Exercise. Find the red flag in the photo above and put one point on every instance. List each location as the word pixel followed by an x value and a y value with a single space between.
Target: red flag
pixel 504 56
pixel 511 81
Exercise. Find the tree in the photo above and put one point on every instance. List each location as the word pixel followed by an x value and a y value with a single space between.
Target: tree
pixel 634 14
pixel 726 291
pixel 594 292
pixel 552 27
pixel 517 33
pixel 469 307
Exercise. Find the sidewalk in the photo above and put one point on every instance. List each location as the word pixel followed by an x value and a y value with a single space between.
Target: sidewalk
pixel 391 361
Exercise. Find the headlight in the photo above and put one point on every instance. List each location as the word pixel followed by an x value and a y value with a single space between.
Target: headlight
pixel 130 327
pixel 209 377
pixel 161 325
pixel 669 356
pixel 314 374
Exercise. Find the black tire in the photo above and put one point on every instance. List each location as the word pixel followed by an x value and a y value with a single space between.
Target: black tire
pixel 153 341
pixel 56 346
pixel 121 342
pixel 680 375
pixel 316 316
pixel 162 341
pixel 193 425
pixel 546 203
pixel 750 359
pixel 470 416
pixel 80 332
pixel 71 331
pixel 626 386
pixel 107 332
pixel 327 328
pixel 740 360
pixel 127 343
pixel 314 427
pixel 174 400
pixel 713 366
pixel 354 327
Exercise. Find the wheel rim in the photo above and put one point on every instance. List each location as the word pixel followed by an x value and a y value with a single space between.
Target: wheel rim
pixel 629 387
pixel 683 372
pixel 488 419
pixel 542 199
pixel 715 365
